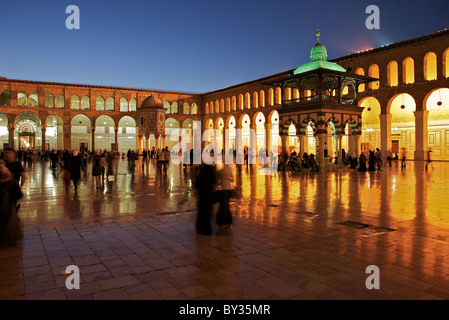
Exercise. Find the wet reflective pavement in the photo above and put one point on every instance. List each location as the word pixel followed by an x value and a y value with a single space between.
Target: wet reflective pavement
pixel 295 236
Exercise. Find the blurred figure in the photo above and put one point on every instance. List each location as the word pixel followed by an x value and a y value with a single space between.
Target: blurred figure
pixel 403 158
pixel 110 164
pixel 429 161
pixel 96 168
pixel 75 167
pixel 10 230
pixel 226 179
pixel 14 166
pixel 205 185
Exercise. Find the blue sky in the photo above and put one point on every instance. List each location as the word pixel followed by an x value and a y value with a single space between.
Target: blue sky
pixel 194 45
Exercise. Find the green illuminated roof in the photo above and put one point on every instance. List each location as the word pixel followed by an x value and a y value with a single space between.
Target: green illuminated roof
pixel 318 56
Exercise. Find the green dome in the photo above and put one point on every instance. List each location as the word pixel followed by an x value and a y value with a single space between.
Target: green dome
pixel 318 52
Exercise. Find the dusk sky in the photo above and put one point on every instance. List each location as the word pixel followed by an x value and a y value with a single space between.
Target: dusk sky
pixel 191 45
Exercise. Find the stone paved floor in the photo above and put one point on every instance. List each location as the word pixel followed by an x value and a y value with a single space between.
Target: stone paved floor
pixel 135 239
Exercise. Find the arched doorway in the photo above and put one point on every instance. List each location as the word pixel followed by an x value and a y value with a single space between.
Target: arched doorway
pixel 370 139
pixel 402 108
pixel 126 134
pixel 28 133
pixel 437 103
pixel 54 132
pixel 4 132
pixel 81 133
pixel 104 133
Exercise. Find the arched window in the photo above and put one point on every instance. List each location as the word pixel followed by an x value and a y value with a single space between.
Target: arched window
pixel 59 101
pixel 446 63
pixel 85 103
pixel 430 66
pixel 247 100
pixel 234 103
pixel 373 72
pixel 361 72
pixel 110 104
pixel 194 109
pixel 240 101
pixel 124 105
pixel 174 107
pixel 222 106
pixel 133 105
pixel 408 71
pixel 22 99
pixel 392 74
pixel 228 105
pixel 288 94
pixel 33 100
pixel 99 105
pixel 217 106
pixel 5 98
pixel 49 101
pixel 167 107
pixel 74 102
pixel 211 107
pixel 278 99
pixel 262 98
pixel 255 100
pixel 185 108
pixel 271 97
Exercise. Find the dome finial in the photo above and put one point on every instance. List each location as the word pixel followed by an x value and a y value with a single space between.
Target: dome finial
pixel 318 34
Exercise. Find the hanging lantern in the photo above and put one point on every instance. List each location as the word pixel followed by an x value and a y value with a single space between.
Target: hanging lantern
pixel 439 103
pixel 369 109
pixel 403 106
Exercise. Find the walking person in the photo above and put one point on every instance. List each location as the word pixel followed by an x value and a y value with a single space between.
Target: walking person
pixel 110 164
pixel 404 154
pixel 378 159
pixel 224 215
pixel 75 167
pixel 10 193
pixel 96 168
pixel 429 161
pixel 205 185
pixel 14 166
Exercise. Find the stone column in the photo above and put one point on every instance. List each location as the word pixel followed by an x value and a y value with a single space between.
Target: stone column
pixel 147 142
pixel 421 135
pixel 163 140
pixel 356 139
pixel 268 137
pixel 92 129
pixel 339 147
pixel 156 141
pixel 11 128
pixel 322 137
pixel 67 134
pixel 385 134
pixel 301 139
pixel 116 138
pixel 252 150
pixel 44 129
pixel 284 141
pixel 330 151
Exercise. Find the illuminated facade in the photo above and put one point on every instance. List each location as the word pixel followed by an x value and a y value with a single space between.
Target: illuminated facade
pixel 408 107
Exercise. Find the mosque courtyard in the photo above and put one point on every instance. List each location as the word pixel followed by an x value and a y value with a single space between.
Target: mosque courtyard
pixel 296 236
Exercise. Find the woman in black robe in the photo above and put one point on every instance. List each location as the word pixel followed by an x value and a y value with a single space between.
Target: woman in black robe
pixel 75 168
pixel 205 185
pixel 10 230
